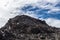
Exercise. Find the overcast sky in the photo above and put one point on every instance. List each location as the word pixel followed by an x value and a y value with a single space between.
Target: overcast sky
pixel 48 10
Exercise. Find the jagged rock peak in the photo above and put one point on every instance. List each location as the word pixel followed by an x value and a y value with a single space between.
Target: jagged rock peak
pixel 25 23
pixel 28 19
pixel 27 28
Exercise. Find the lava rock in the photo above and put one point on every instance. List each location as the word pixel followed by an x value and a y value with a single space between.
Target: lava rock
pixel 27 28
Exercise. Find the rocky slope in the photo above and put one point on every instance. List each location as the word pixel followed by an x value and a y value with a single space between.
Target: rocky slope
pixel 27 28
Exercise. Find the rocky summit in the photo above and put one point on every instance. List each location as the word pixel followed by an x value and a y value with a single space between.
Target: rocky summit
pixel 27 28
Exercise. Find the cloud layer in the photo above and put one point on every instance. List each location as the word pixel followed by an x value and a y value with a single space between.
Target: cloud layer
pixel 46 9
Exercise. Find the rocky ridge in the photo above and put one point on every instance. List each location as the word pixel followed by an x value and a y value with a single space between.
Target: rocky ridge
pixel 27 28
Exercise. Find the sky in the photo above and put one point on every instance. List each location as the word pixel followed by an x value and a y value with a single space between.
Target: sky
pixel 48 10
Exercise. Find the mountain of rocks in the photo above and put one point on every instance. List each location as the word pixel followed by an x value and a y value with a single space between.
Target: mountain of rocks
pixel 24 27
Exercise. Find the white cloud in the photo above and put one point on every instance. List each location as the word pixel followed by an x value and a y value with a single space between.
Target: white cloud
pixel 48 4
pixel 3 21
pixel 8 8
pixel 53 22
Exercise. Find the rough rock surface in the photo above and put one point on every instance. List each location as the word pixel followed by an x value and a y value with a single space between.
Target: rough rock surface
pixel 27 28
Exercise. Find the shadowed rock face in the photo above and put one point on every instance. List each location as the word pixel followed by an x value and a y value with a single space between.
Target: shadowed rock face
pixel 25 28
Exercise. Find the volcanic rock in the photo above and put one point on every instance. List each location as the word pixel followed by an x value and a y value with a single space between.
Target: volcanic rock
pixel 27 28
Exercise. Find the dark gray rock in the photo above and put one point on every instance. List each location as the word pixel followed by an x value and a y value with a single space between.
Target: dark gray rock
pixel 27 28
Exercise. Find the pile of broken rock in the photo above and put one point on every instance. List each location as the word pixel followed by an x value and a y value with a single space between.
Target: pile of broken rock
pixel 27 28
